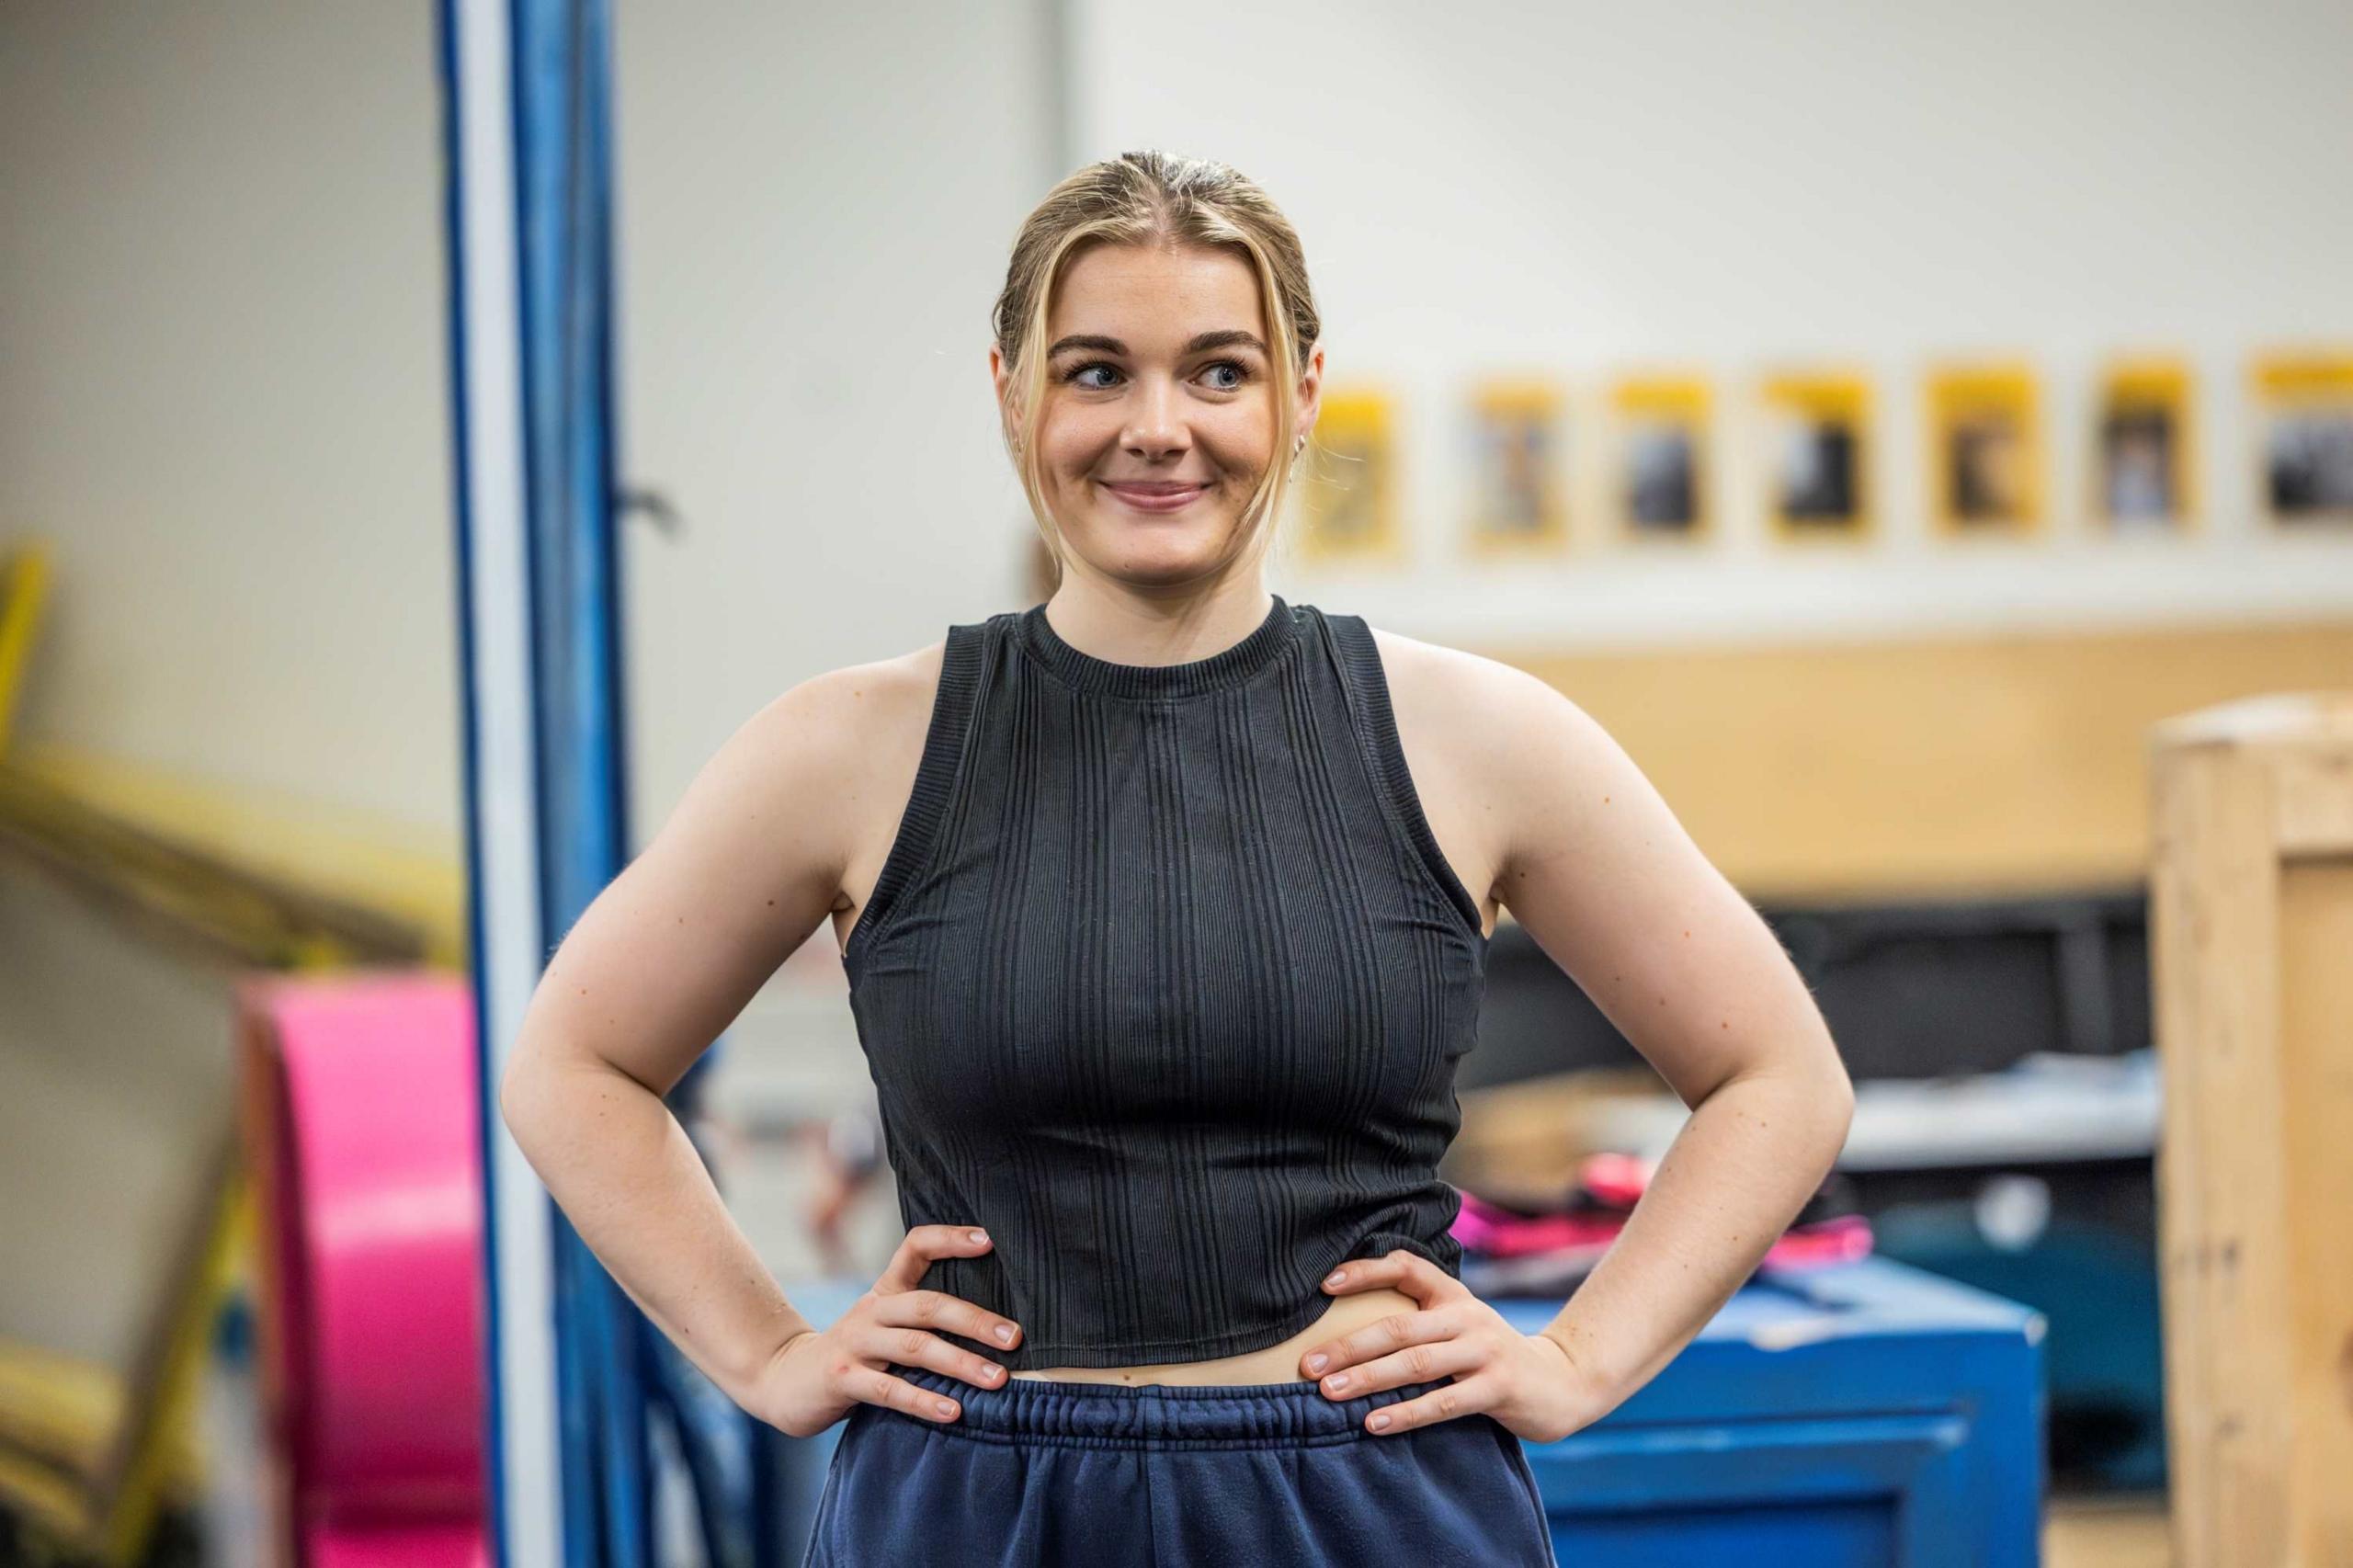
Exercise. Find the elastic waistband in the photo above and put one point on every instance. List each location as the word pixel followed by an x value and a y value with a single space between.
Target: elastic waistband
pixel 1153 1416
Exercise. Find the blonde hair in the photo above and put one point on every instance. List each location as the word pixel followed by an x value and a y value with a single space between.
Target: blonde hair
pixel 1142 199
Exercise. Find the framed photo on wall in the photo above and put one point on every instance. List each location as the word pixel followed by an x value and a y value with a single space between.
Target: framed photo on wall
pixel 1818 455
pixel 1347 489
pixel 1661 466
pixel 2305 438
pixel 2143 472
pixel 1985 450
pixel 1518 504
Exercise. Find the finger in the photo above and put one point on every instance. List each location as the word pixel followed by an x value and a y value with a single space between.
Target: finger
pixel 945 1313
pixel 1375 1338
pixel 1402 1270
pixel 1413 1364
pixel 874 1386
pixel 920 1347
pixel 1440 1404
pixel 921 1245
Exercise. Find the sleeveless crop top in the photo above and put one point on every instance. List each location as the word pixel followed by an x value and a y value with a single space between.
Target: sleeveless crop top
pixel 1162 983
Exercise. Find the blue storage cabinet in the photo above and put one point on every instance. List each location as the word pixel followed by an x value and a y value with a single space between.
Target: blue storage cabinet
pixel 1865 1416
pixel 1868 1413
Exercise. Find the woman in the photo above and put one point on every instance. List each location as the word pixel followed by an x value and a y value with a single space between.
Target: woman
pixel 1156 904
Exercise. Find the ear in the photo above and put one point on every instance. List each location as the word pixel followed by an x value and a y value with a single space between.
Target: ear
pixel 1003 380
pixel 1311 393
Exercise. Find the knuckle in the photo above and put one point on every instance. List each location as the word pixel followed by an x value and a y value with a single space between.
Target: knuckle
pixel 1448 1401
pixel 1417 1360
pixel 926 1304
pixel 913 1342
pixel 1396 1324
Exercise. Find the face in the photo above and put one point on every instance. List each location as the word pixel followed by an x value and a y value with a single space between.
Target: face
pixel 1157 423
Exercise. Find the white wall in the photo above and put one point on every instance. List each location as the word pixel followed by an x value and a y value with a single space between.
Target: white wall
pixel 815 209
pixel 1579 187
pixel 223 391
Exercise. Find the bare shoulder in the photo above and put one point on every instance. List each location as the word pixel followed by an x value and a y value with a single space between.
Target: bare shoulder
pixel 740 873
pixel 859 705
pixel 876 717
pixel 1594 865
pixel 1432 672
pixel 1457 714
pixel 1508 749
pixel 837 720
pixel 1472 706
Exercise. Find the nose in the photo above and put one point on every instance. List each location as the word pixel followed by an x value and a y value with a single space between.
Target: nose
pixel 1156 428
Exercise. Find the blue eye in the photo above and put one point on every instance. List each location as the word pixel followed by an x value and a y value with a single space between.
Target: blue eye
pixel 1075 374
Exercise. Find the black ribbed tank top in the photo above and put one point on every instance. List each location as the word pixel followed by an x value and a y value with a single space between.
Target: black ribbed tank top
pixel 1162 983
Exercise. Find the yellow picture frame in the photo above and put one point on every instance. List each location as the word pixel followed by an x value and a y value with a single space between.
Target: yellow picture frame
pixel 1662 459
pixel 1347 489
pixel 1985 451
pixel 2303 437
pixel 2143 474
pixel 1819 455
pixel 1516 437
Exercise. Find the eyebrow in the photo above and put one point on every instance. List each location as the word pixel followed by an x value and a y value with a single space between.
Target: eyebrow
pixel 1230 338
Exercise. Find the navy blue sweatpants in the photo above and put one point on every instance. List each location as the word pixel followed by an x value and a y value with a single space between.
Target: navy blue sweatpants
pixel 1104 1475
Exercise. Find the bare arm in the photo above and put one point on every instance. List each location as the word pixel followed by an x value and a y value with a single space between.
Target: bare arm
pixel 748 865
pixel 1597 868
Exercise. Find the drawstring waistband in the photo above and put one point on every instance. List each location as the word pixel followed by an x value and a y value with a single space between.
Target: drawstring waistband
pixel 1154 1415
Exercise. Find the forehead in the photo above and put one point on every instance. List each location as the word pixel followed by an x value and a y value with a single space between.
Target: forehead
pixel 1155 295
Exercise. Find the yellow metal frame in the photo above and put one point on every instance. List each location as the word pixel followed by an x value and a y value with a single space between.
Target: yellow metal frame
pixel 1352 469
pixel 24 588
pixel 99 1453
pixel 1667 398
pixel 1961 391
pixel 1828 396
pixel 1517 402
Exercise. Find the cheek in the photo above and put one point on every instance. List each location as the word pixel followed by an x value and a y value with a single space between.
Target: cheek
pixel 1239 436
pixel 1075 442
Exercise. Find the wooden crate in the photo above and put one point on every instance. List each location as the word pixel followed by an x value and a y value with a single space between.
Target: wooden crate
pixel 2252 931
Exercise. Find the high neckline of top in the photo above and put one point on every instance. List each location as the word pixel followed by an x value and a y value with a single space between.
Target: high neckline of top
pixel 1221 671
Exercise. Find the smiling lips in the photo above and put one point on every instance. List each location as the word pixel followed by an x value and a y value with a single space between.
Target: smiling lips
pixel 1154 495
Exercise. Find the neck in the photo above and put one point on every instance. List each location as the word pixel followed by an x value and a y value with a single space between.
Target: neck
pixel 1129 627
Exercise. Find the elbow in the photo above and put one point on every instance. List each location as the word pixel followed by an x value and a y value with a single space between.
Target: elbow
pixel 1838 1113
pixel 520 1091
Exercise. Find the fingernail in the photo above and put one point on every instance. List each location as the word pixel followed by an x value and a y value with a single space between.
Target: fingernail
pixel 1005 1333
pixel 945 1408
pixel 980 1235
pixel 1380 1422
pixel 1315 1362
pixel 1336 1277
pixel 1337 1381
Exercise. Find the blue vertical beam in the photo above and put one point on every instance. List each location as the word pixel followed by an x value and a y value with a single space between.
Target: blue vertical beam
pixel 528 106
pixel 560 109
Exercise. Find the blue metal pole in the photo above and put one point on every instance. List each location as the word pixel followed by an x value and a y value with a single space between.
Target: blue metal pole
pixel 527 89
